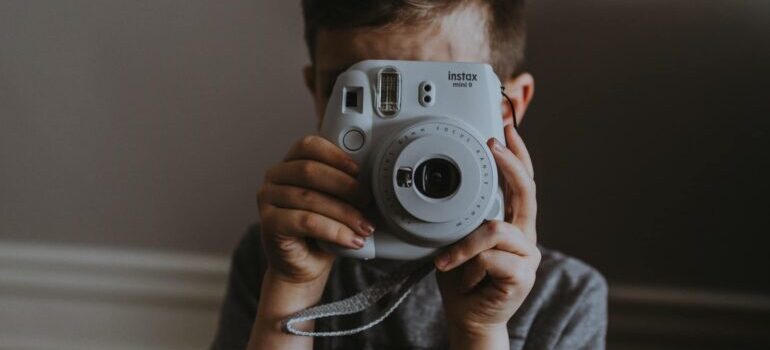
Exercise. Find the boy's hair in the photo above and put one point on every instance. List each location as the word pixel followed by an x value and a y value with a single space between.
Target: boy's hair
pixel 505 22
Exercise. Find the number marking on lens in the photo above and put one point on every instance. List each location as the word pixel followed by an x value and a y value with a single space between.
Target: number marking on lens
pixel 390 162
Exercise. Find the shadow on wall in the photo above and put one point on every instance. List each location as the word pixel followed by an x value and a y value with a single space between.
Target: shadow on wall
pixel 649 136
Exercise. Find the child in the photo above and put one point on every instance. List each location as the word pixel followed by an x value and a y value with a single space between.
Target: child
pixel 495 289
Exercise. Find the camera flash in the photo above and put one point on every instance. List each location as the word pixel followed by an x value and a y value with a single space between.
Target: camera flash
pixel 389 90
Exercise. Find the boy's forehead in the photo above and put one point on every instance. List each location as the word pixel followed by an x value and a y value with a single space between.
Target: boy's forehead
pixel 457 36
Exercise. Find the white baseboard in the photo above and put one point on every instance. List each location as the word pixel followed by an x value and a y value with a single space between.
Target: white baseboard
pixel 86 297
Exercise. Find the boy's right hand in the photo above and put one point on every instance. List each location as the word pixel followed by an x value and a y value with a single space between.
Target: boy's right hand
pixel 312 195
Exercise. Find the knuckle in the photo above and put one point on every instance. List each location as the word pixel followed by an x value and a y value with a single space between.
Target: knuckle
pixel 307 196
pixel 307 170
pixel 308 142
pixel 508 291
pixel 484 258
pixel 494 227
pixel 308 222
pixel 457 252
pixel 496 236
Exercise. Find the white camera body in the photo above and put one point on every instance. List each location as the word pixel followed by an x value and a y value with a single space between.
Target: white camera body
pixel 418 130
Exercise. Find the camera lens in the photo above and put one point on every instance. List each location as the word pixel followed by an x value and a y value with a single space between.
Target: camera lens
pixel 437 178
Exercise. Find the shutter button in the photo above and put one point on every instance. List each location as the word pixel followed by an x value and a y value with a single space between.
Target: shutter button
pixel 353 140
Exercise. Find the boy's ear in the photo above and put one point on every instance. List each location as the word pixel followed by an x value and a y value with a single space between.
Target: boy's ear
pixel 520 89
pixel 308 72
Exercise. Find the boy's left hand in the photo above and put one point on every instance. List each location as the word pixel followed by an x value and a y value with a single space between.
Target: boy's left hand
pixel 485 277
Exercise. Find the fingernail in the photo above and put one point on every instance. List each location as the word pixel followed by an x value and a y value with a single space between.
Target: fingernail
pixel 497 145
pixel 442 261
pixel 366 227
pixel 358 242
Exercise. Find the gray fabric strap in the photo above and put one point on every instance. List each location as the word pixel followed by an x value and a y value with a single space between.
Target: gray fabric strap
pixel 399 281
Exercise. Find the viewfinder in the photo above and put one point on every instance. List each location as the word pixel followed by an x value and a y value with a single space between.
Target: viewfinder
pixel 351 99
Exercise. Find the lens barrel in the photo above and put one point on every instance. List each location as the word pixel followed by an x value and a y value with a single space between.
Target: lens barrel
pixel 437 178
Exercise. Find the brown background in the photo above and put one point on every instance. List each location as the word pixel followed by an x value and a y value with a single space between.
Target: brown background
pixel 650 133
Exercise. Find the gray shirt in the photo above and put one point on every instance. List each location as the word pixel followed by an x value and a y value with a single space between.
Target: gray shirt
pixel 566 309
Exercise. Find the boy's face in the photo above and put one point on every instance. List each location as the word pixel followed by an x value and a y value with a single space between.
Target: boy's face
pixel 458 36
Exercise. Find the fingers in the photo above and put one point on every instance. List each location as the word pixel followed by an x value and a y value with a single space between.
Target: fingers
pixel 302 223
pixel 502 267
pixel 492 235
pixel 321 150
pixel 292 197
pixel 520 183
pixel 321 177
pixel 516 144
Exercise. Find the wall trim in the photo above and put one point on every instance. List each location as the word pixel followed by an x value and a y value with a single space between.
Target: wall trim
pixel 96 297
pixel 660 317
pixel 688 297
pixel 138 298
pixel 105 272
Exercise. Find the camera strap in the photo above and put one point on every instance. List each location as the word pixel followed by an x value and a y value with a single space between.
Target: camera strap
pixel 398 282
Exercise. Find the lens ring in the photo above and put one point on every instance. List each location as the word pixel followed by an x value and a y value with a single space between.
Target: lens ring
pixel 416 217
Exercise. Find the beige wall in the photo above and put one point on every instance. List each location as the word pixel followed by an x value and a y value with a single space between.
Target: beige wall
pixel 149 124
pixel 144 123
